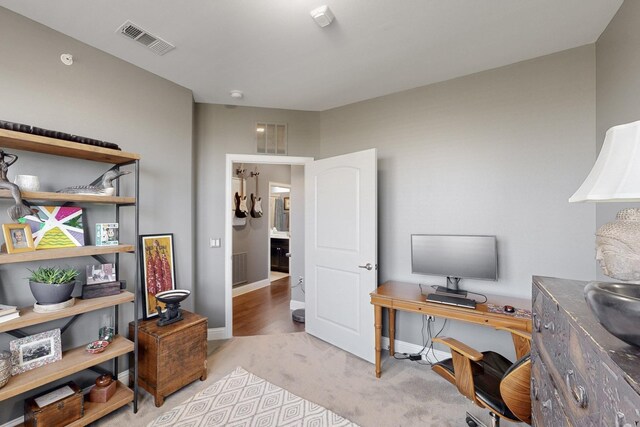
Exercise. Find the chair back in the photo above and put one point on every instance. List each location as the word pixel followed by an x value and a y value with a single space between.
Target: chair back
pixel 515 389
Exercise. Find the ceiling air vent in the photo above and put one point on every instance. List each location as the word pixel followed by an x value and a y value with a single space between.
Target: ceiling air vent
pixel 151 42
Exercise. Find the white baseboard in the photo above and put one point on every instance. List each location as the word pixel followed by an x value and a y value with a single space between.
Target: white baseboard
pixel 295 305
pixel 240 290
pixel 123 377
pixel 407 347
pixel 15 422
pixel 214 334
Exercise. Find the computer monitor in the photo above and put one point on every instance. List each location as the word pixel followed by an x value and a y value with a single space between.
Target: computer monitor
pixel 454 257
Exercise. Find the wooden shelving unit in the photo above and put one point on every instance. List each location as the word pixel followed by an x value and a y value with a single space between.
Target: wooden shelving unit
pixel 65 198
pixel 47 254
pixel 76 359
pixel 28 317
pixel 59 147
pixel 94 411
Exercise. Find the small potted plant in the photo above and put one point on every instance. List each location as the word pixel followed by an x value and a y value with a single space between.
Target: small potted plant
pixel 52 285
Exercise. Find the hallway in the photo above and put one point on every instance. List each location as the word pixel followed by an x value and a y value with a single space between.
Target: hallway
pixel 264 311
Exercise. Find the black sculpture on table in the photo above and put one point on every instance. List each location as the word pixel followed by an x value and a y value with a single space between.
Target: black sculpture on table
pixel 172 312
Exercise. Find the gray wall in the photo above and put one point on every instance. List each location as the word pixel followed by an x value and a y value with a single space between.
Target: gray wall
pixel 497 152
pixel 617 86
pixel 220 130
pixel 104 98
pixel 253 237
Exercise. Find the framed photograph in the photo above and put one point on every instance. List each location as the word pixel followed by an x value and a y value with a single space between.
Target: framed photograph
pixel 35 351
pixel 55 227
pixel 107 234
pixel 18 238
pixel 287 203
pixel 102 273
pixel 158 270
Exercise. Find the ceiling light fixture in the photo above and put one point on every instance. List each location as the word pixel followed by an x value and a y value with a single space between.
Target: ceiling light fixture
pixel 322 15
pixel 236 94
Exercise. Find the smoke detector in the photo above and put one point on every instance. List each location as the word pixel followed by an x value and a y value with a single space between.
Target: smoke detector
pixel 66 58
pixel 145 38
pixel 322 15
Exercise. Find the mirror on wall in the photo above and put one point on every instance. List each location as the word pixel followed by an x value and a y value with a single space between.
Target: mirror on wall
pixel 279 207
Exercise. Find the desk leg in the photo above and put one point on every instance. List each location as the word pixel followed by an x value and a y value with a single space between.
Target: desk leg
pixel 378 325
pixel 392 331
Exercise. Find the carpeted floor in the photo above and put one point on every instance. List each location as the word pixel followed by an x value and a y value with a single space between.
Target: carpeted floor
pixel 407 394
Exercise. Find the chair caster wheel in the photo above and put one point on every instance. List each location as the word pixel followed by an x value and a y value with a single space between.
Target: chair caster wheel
pixel 471 423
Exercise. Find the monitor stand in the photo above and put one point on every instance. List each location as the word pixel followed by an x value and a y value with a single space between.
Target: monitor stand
pixel 452 288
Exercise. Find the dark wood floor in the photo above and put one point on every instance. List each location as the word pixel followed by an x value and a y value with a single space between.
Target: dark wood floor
pixel 264 311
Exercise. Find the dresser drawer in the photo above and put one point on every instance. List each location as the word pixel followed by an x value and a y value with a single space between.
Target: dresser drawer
pixel 569 360
pixel 619 404
pixel 546 403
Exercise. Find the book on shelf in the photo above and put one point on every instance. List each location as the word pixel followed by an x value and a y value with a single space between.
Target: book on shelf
pixel 8 317
pixel 7 309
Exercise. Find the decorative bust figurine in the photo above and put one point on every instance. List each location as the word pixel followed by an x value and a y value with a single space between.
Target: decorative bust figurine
pixel 618 246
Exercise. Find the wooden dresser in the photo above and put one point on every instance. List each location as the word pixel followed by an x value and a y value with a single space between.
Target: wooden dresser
pixel 581 374
pixel 172 356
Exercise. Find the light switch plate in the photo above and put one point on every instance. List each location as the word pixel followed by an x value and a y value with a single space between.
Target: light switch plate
pixel 214 243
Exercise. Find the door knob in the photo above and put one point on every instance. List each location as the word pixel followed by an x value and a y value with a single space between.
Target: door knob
pixel 288 254
pixel 368 266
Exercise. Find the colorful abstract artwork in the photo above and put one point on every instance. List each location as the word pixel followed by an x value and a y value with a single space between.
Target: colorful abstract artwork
pixel 158 270
pixel 55 227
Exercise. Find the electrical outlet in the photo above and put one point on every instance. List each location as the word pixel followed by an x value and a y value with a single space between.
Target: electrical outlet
pixel 431 318
pixel 300 280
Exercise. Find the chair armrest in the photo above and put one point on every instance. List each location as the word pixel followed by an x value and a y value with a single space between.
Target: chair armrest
pixel 518 332
pixel 463 349
pixel 521 340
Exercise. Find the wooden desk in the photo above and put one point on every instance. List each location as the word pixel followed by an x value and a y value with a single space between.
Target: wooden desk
pixel 408 297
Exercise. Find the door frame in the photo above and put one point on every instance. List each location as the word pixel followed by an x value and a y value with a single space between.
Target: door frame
pixel 277 184
pixel 228 218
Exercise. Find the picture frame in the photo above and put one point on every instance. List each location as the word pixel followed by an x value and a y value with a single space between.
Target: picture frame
pixel 103 273
pixel 18 238
pixel 157 270
pixel 107 234
pixel 287 203
pixel 35 351
pixel 54 227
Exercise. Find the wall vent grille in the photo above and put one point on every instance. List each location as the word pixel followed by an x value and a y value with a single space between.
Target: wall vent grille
pixel 142 36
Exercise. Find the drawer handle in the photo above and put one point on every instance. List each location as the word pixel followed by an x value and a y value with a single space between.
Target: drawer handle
pixel 579 393
pixel 620 420
pixel 534 388
pixel 536 322
pixel 547 404
pixel 550 326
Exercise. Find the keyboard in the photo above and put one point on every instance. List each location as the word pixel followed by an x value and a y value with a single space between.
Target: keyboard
pixel 451 300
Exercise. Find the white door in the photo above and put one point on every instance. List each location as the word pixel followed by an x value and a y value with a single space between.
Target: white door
pixel 341 250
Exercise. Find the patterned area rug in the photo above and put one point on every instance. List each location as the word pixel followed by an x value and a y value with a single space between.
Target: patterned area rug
pixel 243 399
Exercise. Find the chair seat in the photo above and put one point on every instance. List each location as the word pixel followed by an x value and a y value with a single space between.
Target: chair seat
pixel 487 375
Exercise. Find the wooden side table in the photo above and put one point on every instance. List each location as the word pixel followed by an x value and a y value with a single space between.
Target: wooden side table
pixel 172 356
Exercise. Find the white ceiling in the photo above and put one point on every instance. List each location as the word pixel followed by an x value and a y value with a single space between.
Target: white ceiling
pixel 275 53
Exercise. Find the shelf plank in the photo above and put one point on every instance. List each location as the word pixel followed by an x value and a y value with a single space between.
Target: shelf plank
pixel 94 411
pixel 28 317
pixel 64 197
pixel 59 147
pixel 74 360
pixel 47 254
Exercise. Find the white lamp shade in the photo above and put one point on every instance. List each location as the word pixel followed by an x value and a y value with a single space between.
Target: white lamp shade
pixel 616 174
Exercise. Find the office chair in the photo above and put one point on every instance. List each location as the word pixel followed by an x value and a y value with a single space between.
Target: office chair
pixel 490 380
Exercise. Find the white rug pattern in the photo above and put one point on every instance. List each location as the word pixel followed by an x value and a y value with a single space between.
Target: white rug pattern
pixel 243 399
